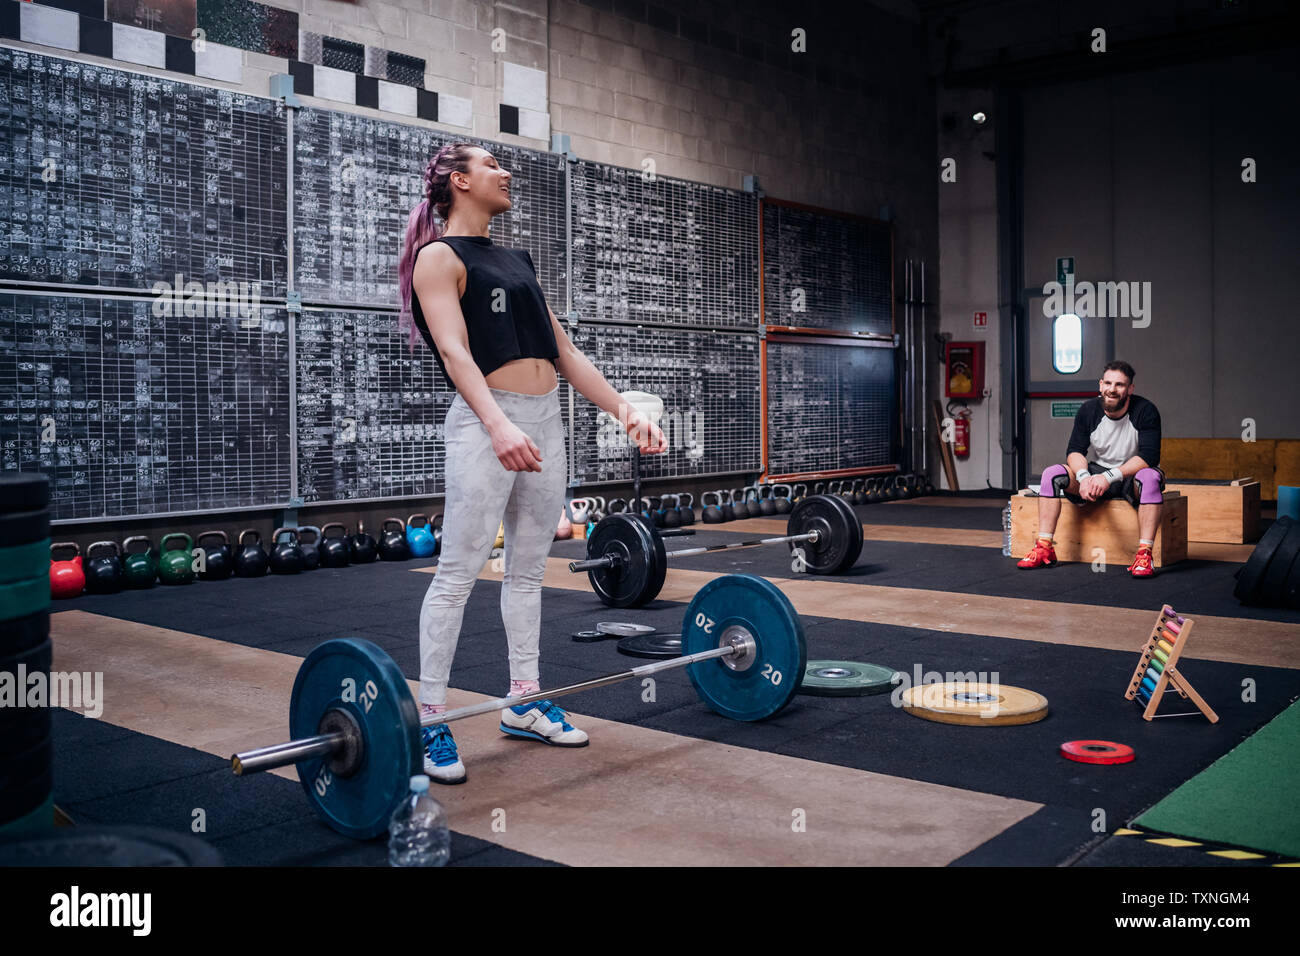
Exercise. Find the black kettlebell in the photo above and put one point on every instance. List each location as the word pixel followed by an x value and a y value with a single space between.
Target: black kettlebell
pixel 310 549
pixel 616 507
pixel 251 561
pixel 333 547
pixel 766 503
pixel 362 548
pixel 286 555
pixel 104 574
pixel 740 502
pixel 672 518
pixel 819 488
pixel 654 510
pixel 856 496
pixel 712 512
pixel 436 525
pixel 727 505
pixel 392 541
pixel 783 503
pixel 685 512
pixel 218 562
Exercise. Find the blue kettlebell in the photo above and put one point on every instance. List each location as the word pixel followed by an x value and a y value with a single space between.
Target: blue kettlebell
pixel 420 537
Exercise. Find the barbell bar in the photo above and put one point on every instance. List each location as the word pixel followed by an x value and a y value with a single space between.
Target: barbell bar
pixel 627 564
pixel 356 727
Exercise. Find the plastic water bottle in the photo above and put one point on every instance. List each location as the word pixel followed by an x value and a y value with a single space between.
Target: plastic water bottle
pixel 1006 531
pixel 417 834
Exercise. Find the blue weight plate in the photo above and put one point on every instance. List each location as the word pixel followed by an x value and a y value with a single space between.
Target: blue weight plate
pixel 772 679
pixel 358 805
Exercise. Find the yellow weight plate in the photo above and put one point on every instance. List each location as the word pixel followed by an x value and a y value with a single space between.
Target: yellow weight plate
pixel 977 705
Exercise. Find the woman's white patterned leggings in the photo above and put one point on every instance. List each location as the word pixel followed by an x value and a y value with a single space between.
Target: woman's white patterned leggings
pixel 481 493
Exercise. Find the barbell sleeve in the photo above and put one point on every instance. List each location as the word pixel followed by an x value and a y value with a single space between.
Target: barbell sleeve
pixel 285 754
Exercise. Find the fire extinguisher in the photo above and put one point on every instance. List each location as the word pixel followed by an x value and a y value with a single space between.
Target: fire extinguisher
pixel 961 432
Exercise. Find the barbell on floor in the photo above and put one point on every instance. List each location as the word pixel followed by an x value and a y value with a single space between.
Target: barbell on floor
pixel 627 563
pixel 357 728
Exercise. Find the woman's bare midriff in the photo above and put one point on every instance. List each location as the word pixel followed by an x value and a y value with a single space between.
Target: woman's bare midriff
pixel 528 376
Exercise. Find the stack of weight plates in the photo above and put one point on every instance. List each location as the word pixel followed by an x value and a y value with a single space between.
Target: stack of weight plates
pixel 25 776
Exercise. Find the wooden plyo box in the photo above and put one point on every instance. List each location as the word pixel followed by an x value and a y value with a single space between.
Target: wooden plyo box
pixel 1111 525
pixel 1220 511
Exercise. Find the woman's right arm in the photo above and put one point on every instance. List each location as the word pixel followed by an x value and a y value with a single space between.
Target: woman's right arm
pixel 434 281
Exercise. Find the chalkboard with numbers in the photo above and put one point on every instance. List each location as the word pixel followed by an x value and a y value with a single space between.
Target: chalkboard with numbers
pixel 662 251
pixel 709 383
pixel 132 412
pixel 370 410
pixel 356 181
pixel 826 271
pixel 121 180
pixel 829 406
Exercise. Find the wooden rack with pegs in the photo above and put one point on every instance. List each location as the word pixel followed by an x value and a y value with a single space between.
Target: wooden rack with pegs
pixel 1157 668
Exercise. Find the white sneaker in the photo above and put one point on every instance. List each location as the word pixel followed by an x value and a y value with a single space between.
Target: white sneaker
pixel 541 720
pixel 441 759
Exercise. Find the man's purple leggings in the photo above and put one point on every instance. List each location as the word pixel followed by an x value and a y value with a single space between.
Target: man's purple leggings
pixel 1056 478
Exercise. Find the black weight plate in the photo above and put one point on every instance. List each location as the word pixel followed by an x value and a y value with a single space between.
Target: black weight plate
pixel 1252 573
pixel 21 769
pixel 23 633
pixel 1272 587
pixel 22 527
pixel 628 537
pixel 23 491
pixel 26 727
pixel 651 645
pixel 1293 586
pixel 846 679
pixel 836 523
pixel 108 846
pixel 22 665
pixel 656 583
pixel 589 637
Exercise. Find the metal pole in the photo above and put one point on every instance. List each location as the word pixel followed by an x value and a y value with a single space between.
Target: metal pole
pixel 610 559
pixel 281 755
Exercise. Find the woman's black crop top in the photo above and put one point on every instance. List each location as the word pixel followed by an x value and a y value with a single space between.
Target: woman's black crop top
pixel 505 311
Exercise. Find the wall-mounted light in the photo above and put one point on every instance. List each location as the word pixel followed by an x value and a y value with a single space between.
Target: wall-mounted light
pixel 979 119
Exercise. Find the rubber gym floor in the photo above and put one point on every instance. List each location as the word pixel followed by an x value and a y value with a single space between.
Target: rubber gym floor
pixel 193 674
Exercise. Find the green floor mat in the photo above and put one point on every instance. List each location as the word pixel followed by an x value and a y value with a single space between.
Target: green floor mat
pixel 1250 797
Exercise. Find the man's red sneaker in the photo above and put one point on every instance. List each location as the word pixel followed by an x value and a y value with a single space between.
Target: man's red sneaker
pixel 1043 556
pixel 1141 566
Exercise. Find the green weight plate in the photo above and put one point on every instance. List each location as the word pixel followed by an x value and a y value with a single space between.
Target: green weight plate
pixel 24 527
pixel 356 676
pixel 1251 574
pixel 21 598
pixel 23 491
pixel 846 679
pixel 742 607
pixel 20 561
pixel 840 540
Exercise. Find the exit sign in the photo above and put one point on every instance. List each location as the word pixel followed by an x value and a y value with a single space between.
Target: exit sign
pixel 981 320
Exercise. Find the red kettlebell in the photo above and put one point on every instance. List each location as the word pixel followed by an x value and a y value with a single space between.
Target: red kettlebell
pixel 67 577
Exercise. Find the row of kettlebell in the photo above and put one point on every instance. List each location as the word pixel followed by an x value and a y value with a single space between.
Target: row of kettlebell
pixel 108 567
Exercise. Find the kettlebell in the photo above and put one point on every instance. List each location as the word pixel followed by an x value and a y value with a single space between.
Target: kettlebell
pixel 819 488
pixel 672 518
pixel 598 509
pixel 67 577
pixel 782 502
pixel 739 508
pixel 392 544
pixel 563 527
pixel 218 562
pixel 685 512
pixel 176 566
pixel 712 512
pixel 286 553
pixel 310 549
pixel 251 561
pixel 873 490
pixel 752 504
pixel 419 537
pixel 104 573
pixel 766 504
pixel 362 548
pixel 727 506
pixel 140 566
pixel 437 533
pixel 333 548
pixel 579 507
pixel 647 510
pixel 798 493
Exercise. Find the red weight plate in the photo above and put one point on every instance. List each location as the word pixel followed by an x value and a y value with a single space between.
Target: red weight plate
pixel 1097 751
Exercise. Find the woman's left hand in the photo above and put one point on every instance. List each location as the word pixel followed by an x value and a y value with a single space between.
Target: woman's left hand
pixel 646 434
